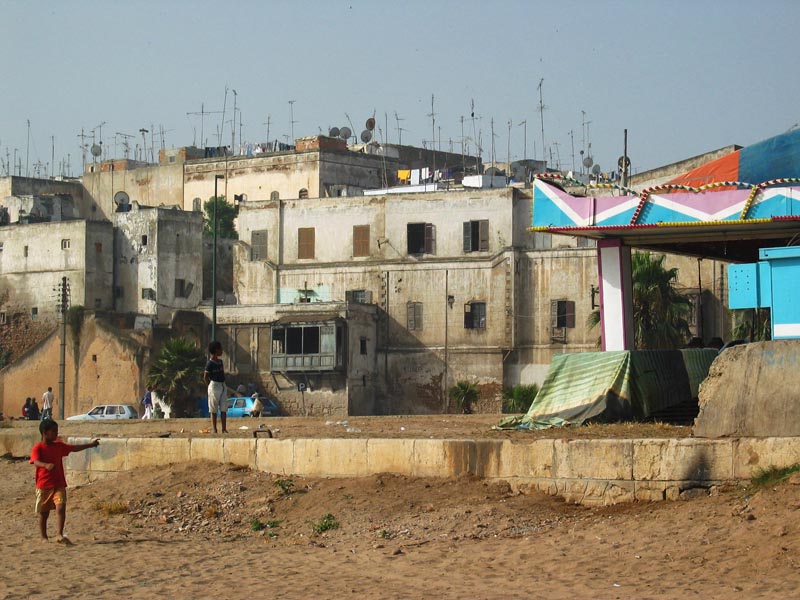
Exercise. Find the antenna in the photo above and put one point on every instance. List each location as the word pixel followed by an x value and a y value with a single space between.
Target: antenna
pixel 400 130
pixel 222 125
pixel 541 113
pixel 349 130
pixel 267 123
pixel 432 115
pixel 203 112
pixel 144 133
pixel 291 112
pixel 508 149
pixel 524 123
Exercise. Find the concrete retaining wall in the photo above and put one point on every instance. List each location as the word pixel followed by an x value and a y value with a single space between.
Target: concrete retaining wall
pixel 603 471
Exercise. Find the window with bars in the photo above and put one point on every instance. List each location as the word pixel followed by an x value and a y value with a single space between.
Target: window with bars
pixel 414 319
pixel 183 289
pixel 562 317
pixel 421 238
pixel 148 294
pixel 358 296
pixel 475 315
pixel 305 242
pixel 476 236
pixel 360 240
pixel 65 244
pixel 258 245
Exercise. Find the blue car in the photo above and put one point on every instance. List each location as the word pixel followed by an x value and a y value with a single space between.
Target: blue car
pixel 242 406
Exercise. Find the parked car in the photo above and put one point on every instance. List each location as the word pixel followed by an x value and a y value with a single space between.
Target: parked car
pixel 242 406
pixel 107 412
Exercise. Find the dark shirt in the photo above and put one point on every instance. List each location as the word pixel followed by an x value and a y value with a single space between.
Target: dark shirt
pixel 215 370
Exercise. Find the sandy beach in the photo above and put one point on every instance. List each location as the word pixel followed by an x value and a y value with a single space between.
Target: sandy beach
pixel 202 530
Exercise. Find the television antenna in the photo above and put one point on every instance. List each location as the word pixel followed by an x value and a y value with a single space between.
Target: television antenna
pixel 542 108
pixel 524 124
pixel 291 112
pixel 203 112
pixel 400 130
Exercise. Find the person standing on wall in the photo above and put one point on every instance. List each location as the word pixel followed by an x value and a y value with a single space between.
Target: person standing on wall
pixel 47 404
pixel 214 377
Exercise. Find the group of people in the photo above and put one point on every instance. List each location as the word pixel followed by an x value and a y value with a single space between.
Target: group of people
pixel 31 411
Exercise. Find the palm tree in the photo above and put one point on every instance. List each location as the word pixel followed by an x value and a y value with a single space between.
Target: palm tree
pixel 176 373
pixel 659 311
pixel 464 394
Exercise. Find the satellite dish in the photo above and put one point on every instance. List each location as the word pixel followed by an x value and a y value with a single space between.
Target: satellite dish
pixel 366 136
pixel 334 132
pixel 624 162
pixel 370 125
pixel 96 150
pixel 588 162
pixel 596 169
pixel 121 198
pixel 345 133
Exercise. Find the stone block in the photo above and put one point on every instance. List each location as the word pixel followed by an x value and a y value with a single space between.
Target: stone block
pixel 18 443
pixel 682 459
pixel 430 460
pixel 275 456
pixel 390 456
pixel 575 490
pixel 111 455
pixel 207 448
pixel 753 454
pixel 527 459
pixel 77 461
pixel 618 492
pixel 240 452
pixel 143 452
pixel 649 491
pixel 331 457
pixel 593 459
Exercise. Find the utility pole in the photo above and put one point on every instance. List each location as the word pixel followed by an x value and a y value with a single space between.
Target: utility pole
pixel 63 305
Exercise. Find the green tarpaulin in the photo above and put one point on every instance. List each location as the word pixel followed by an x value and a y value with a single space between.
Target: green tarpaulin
pixel 614 386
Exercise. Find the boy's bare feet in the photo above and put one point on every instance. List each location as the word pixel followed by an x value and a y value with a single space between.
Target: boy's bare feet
pixel 62 539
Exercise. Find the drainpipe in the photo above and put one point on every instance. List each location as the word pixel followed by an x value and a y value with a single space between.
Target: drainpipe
pixel 279 262
pixel 446 358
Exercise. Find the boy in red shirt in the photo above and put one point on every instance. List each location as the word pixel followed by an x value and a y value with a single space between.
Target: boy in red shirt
pixel 51 484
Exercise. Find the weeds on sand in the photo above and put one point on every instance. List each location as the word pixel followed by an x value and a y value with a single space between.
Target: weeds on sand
pixel 326 523
pixel 286 486
pixel 772 476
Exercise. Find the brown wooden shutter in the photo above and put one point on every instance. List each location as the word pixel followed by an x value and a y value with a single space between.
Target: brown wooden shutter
pixel 569 313
pixel 361 240
pixel 305 242
pixel 467 236
pixel 483 236
pixel 430 238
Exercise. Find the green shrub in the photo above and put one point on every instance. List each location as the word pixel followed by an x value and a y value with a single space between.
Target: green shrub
pixel 464 394
pixel 326 523
pixel 519 398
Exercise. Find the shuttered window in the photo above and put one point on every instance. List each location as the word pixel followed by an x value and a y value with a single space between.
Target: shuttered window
pixel 476 236
pixel 475 315
pixel 414 316
pixel 360 240
pixel 562 313
pixel 305 242
pixel 258 245
pixel 421 238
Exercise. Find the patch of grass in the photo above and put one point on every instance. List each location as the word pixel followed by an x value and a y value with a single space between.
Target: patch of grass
pixel 772 476
pixel 256 525
pixel 273 524
pixel 326 523
pixel 111 508
pixel 348 496
pixel 385 535
pixel 286 486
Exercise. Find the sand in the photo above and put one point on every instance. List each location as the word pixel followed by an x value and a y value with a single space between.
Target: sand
pixel 189 531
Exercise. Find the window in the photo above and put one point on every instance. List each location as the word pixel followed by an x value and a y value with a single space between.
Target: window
pixel 258 245
pixel 34 313
pixel 144 240
pixel 148 294
pixel 358 296
pixel 119 291
pixel 65 244
pixel 476 236
pixel 562 313
pixel 25 252
pixel 98 247
pixel 306 346
pixel 303 195
pixel 421 238
pixel 98 410
pixel 305 242
pixel 414 316
pixel 274 195
pixel 363 345
pixel 183 289
pixel 172 159
pixel 360 240
pixel 475 315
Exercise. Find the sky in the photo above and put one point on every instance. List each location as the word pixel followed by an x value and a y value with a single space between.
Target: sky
pixel 683 77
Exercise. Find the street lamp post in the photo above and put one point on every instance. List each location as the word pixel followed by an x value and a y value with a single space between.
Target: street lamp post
pixel 214 264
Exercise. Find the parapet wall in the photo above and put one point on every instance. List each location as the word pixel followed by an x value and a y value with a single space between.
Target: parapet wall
pixel 601 471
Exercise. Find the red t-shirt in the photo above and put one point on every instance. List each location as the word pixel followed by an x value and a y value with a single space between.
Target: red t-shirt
pixel 50 453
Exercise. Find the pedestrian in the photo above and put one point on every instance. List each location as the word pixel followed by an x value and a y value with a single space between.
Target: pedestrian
pixel 51 483
pixel 148 403
pixel 214 377
pixel 258 406
pixel 47 404
pixel 33 411
pixel 26 408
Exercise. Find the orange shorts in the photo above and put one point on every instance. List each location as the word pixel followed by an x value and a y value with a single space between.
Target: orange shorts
pixel 48 499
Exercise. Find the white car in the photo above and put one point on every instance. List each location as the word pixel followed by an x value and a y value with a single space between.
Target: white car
pixel 107 412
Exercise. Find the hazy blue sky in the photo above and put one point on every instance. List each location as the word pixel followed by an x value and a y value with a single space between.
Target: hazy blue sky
pixel 683 76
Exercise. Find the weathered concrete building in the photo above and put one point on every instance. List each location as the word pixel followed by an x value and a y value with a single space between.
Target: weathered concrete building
pixel 35 257
pixel 158 266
